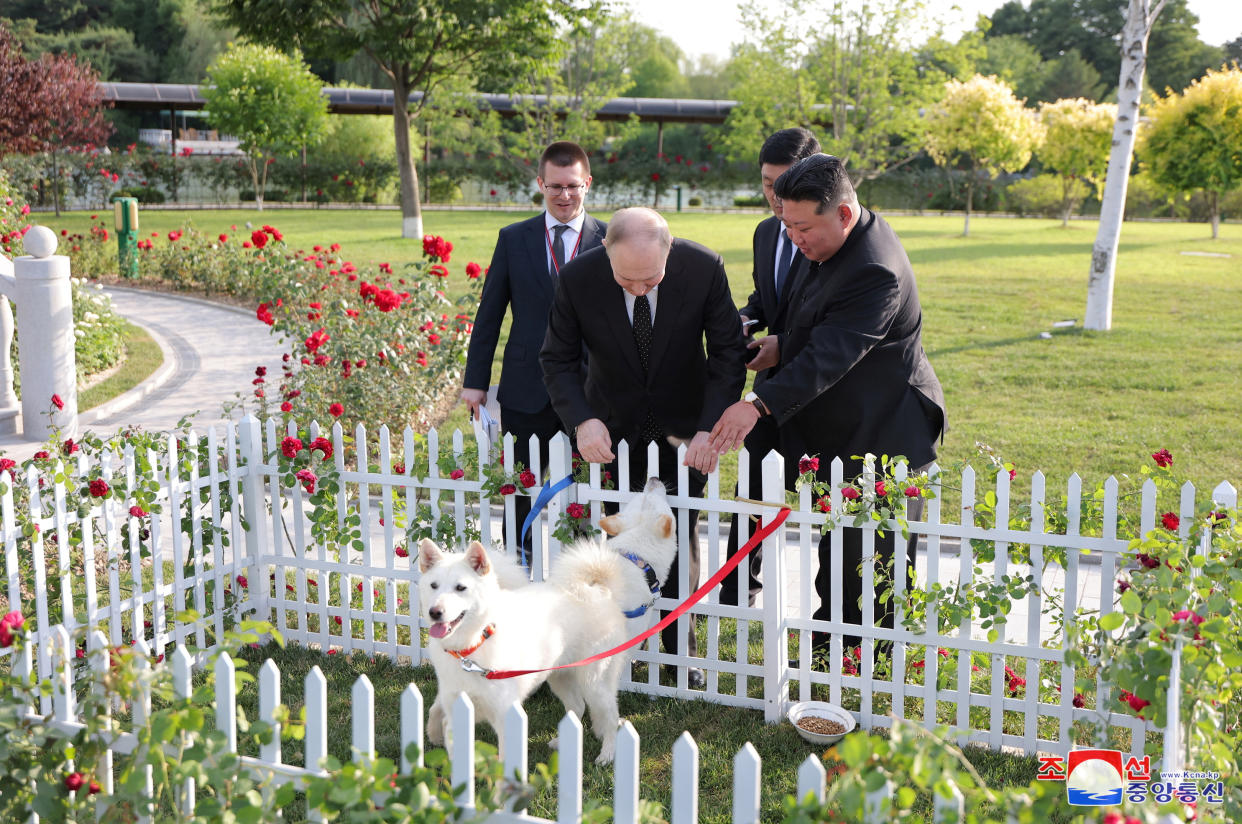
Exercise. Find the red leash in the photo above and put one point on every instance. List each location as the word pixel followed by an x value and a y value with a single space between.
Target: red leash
pixel 755 540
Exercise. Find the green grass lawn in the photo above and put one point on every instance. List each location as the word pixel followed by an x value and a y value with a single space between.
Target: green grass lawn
pixel 1094 403
pixel 142 357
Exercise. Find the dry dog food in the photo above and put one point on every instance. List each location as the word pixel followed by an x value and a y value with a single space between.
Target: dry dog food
pixel 823 726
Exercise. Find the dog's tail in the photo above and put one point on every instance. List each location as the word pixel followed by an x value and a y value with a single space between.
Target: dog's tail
pixel 588 572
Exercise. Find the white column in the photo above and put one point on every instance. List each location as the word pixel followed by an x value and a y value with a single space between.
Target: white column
pixel 45 336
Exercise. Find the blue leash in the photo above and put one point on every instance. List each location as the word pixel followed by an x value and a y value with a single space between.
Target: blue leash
pixel 546 494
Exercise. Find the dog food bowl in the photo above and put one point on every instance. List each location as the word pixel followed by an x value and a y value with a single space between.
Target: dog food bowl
pixel 831 715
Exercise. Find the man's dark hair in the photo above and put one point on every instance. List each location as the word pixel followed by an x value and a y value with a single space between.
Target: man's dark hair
pixel 819 178
pixel 564 153
pixel 788 146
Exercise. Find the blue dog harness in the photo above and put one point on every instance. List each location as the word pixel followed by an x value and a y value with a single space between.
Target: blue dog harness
pixel 653 583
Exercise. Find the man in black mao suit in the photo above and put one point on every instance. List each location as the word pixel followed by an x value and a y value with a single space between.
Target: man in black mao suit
pixel 665 358
pixel 776 265
pixel 523 276
pixel 853 375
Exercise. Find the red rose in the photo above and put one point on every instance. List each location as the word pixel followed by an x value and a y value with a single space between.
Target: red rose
pixel 806 465
pixel 850 493
pixel 1189 615
pixel 42 455
pixel 290 447
pixel 308 479
pixel 1171 522
pixel 7 465
pixel 913 492
pixel 401 551
pixel 1013 473
pixel 94 787
pixel 386 300
pixel 137 511
pixel 823 504
pixel 575 510
pixel 1079 700
pixel 1162 458
pixel 317 339
pixel 473 270
pixel 242 582
pixel 74 781
pixel 9 624
pixel 224 238
pixel 527 478
pixel 655 176
pixel 508 489
pixel 1147 561
pixel 323 445
pixel 69 447
pixel 881 489
pixel 259 238
pixel 336 410
pixel 57 402
pixel 99 488
pixel 1133 700
pixel 1122 585
pixel 439 271
pixel 457 474
pixel 286 407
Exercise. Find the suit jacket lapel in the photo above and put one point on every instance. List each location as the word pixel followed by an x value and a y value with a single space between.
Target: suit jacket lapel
pixel 613 302
pixel 590 235
pixel 767 269
pixel 537 248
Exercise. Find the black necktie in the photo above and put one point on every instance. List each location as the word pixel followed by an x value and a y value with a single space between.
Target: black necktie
pixel 558 248
pixel 782 267
pixel 642 340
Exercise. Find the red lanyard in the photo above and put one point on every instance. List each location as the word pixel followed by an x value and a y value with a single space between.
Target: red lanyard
pixel 556 266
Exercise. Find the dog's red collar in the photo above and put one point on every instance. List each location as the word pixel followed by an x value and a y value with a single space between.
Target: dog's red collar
pixel 488 632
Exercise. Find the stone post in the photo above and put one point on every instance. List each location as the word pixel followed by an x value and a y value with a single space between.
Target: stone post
pixel 40 288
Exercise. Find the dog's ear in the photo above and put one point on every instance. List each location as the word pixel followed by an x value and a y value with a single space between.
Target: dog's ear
pixel 477 557
pixel 611 524
pixel 664 525
pixel 428 554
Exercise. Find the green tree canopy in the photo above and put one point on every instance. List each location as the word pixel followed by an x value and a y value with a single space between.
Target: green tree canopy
pixel 1194 139
pixel 979 126
pixel 418 46
pixel 269 100
pixel 1078 135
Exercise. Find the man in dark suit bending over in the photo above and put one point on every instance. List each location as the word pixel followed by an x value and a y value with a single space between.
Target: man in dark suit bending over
pixel 665 359
pixel 525 267
pixel 853 375
pixel 777 267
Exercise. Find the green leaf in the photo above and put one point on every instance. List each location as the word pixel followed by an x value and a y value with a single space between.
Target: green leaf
pixel 1131 603
pixel 1111 621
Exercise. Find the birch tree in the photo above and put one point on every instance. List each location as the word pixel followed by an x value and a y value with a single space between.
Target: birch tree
pixel 1140 17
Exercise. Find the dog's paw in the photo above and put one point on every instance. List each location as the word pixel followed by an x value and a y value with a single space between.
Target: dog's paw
pixel 554 742
pixel 435 725
pixel 606 755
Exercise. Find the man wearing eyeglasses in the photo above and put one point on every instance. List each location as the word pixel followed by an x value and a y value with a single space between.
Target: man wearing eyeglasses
pixel 523 274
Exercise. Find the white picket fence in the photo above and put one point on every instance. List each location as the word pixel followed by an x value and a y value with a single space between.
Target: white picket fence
pixel 365 599
pixel 56 654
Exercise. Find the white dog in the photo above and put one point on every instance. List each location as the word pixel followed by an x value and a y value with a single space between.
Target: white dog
pixel 587 605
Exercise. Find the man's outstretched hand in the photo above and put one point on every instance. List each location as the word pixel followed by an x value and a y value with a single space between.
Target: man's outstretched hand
pixel 733 427
pixel 594 442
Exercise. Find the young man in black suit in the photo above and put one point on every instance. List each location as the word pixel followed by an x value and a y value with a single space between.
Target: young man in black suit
pixel 665 359
pixel 853 375
pixel 525 267
pixel 777 264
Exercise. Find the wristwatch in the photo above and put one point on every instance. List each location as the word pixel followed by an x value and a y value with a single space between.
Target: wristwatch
pixel 755 401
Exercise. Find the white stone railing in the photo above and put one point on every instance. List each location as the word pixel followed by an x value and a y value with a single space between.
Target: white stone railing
pixel 39 284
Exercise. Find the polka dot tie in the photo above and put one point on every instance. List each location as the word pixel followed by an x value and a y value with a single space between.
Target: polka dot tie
pixel 642 340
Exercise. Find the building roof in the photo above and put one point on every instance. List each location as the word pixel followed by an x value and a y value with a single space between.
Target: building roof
pixel 185 97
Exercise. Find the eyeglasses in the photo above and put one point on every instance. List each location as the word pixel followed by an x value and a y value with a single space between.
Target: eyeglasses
pixel 565 190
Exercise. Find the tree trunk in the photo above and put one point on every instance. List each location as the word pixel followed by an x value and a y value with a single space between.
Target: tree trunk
pixel 1067 204
pixel 1139 20
pixel 55 183
pixel 1214 201
pixel 411 211
pixel 970 198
